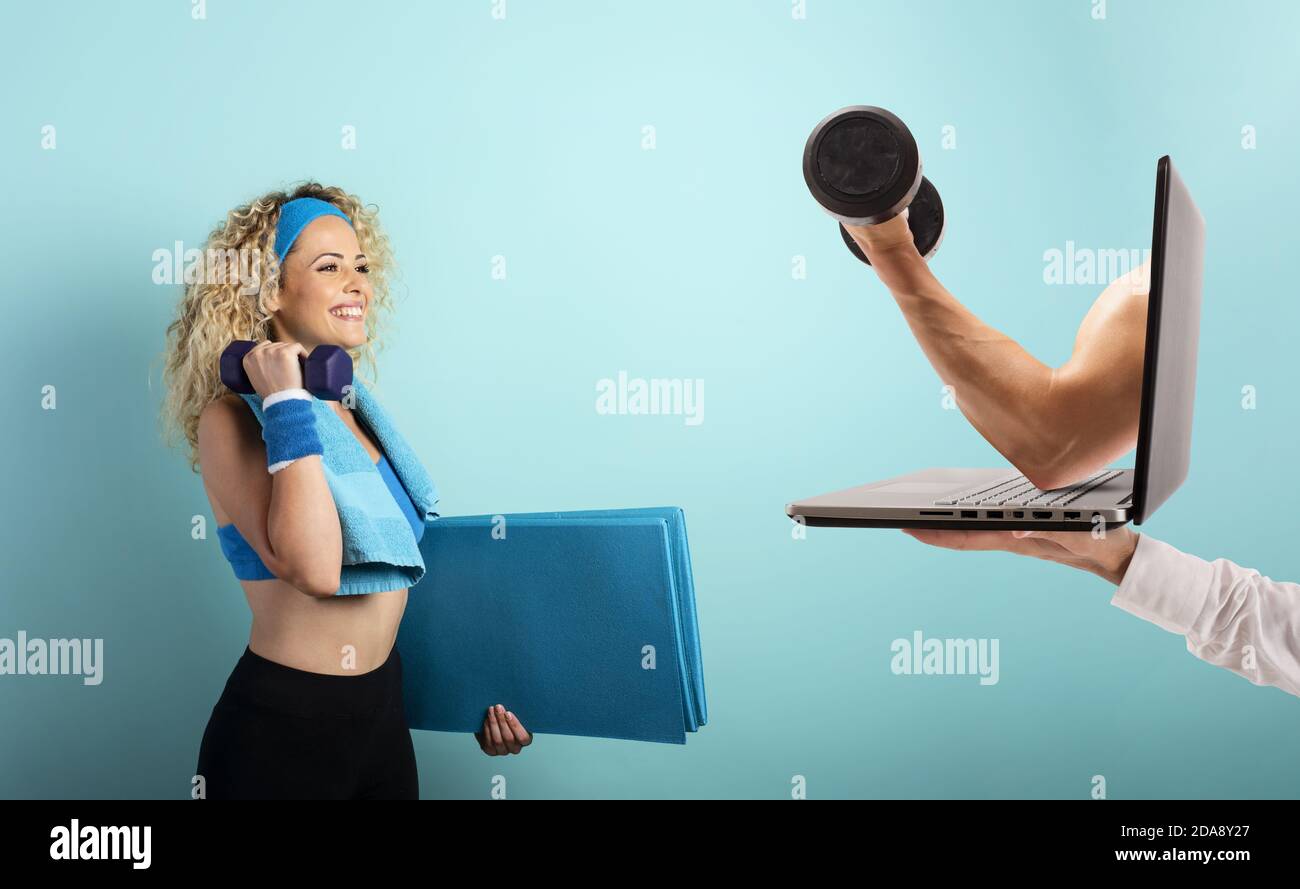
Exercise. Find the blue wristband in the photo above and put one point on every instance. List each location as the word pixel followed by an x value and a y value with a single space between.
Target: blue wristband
pixel 290 432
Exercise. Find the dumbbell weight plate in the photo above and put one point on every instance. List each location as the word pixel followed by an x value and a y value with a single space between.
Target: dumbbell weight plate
pixel 924 218
pixel 328 372
pixel 862 165
pixel 232 367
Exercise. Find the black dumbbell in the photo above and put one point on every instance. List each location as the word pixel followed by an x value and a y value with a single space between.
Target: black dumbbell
pixel 862 165
pixel 326 372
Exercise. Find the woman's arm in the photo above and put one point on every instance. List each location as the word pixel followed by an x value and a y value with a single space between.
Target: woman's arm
pixel 1055 425
pixel 289 518
pixel 1233 617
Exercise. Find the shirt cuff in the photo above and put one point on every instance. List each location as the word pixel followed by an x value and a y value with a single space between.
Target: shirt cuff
pixel 284 395
pixel 1164 585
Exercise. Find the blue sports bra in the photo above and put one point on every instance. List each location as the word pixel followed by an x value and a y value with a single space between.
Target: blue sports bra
pixel 248 564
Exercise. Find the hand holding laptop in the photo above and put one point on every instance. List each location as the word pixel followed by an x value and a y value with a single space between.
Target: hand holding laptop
pixel 1232 616
pixel 1106 556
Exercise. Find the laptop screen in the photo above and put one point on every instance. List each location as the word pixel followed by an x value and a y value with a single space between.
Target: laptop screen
pixel 1173 330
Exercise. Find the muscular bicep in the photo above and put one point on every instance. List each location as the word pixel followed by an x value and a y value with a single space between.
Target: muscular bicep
pixel 232 457
pixel 1097 394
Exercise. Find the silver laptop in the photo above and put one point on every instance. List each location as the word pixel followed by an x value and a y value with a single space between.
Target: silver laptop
pixel 1002 499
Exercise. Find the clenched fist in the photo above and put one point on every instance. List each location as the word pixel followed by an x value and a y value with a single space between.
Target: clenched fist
pixel 272 367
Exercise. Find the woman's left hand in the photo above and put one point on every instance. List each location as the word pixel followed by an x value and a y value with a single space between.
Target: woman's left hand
pixel 502 733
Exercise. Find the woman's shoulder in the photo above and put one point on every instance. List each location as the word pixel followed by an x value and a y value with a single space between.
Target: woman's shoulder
pixel 226 423
pixel 225 411
pixel 230 447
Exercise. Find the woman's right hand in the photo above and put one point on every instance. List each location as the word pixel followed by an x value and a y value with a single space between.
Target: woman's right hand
pixel 272 367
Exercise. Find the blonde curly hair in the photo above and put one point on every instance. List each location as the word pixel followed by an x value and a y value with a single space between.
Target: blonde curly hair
pixel 217 309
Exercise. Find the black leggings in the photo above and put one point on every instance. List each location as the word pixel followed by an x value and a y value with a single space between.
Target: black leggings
pixel 282 733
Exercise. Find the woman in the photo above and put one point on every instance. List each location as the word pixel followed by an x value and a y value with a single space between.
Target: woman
pixel 314 706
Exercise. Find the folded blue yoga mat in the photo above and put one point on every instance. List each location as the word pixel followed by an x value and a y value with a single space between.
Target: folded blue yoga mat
pixel 560 619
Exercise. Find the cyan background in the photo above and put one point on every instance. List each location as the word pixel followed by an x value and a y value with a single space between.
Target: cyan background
pixel 522 137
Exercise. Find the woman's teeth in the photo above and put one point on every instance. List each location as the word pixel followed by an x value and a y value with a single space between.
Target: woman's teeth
pixel 348 313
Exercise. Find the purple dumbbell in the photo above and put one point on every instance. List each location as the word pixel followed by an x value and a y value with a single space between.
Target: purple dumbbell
pixel 325 372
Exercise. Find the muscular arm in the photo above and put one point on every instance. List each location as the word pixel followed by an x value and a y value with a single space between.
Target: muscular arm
pixel 1055 425
pixel 288 518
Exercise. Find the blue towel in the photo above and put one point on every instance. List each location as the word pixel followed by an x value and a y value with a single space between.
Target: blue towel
pixel 380 550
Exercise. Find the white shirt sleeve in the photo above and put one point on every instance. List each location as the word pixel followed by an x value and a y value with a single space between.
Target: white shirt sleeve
pixel 1232 616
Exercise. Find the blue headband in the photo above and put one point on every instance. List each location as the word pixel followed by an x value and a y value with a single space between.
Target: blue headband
pixel 294 217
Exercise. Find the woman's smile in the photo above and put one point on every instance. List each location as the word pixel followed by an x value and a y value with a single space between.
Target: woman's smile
pixel 353 312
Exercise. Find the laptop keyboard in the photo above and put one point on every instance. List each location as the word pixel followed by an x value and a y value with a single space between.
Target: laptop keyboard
pixel 1016 490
